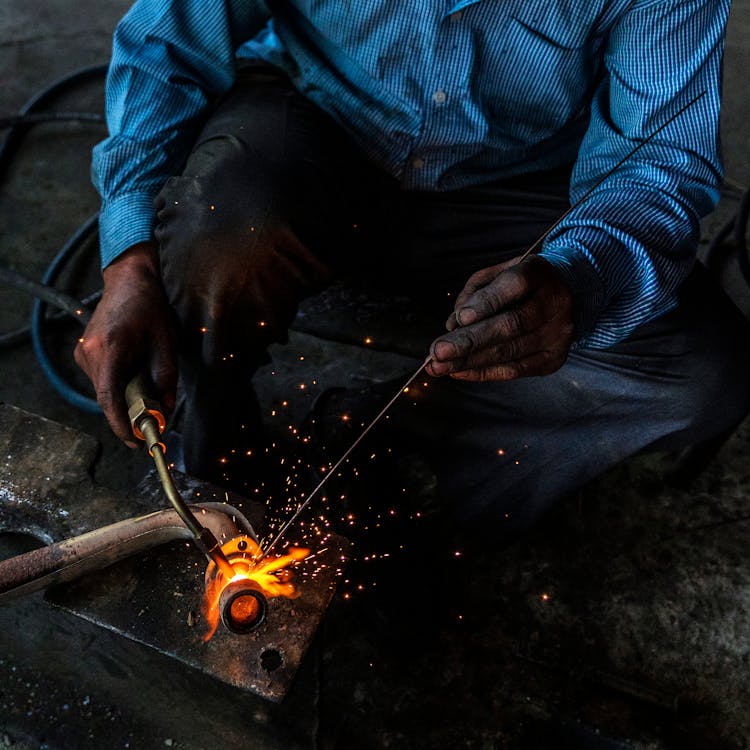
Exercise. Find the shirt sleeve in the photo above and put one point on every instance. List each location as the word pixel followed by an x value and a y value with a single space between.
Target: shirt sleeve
pixel 629 245
pixel 170 59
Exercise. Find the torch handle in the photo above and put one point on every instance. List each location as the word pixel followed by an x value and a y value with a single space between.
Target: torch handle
pixel 148 422
pixel 143 406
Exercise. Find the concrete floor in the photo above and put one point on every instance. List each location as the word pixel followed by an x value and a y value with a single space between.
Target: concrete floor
pixel 624 622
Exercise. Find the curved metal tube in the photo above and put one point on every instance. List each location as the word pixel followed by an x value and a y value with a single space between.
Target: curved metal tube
pixel 242 606
pixel 71 558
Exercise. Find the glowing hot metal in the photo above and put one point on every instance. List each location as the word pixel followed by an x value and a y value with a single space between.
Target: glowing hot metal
pixel 240 600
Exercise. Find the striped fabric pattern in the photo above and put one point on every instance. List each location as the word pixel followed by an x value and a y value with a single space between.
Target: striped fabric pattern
pixel 445 94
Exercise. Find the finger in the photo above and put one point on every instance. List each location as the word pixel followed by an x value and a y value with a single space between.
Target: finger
pixel 506 289
pixel 110 393
pixel 452 323
pixel 491 336
pixel 476 281
pixel 539 363
pixel 498 353
pixel 90 356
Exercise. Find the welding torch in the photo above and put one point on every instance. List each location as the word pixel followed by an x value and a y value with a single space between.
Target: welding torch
pixel 148 422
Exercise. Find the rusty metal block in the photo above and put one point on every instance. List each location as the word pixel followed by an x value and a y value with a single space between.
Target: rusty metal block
pixel 154 598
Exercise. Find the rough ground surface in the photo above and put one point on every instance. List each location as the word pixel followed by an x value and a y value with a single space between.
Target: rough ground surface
pixel 621 623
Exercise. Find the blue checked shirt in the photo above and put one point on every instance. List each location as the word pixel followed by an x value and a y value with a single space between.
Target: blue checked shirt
pixel 445 94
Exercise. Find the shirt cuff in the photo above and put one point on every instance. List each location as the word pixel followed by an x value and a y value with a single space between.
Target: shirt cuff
pixel 125 221
pixel 586 285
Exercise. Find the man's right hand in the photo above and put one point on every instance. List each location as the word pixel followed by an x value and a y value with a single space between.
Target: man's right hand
pixel 131 331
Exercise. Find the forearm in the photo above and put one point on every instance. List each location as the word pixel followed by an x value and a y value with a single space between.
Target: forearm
pixel 626 248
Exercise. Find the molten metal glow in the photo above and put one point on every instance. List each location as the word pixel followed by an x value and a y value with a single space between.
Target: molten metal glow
pixel 271 575
pixel 244 609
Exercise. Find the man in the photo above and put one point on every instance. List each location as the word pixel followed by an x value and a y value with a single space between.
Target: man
pixel 255 154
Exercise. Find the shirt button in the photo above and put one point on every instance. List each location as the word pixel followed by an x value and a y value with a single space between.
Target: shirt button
pixel 439 97
pixel 417 163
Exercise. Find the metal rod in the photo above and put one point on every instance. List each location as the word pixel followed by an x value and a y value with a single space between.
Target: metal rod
pixel 151 433
pixel 203 537
pixel 343 458
pixel 66 560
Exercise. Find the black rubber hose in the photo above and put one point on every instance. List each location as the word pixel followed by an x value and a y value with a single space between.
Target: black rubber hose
pixel 34 119
pixel 40 100
pixel 68 392
pixel 31 113
pixel 22 335
pixel 65 302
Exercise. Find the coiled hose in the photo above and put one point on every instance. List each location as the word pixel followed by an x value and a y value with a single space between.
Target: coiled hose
pixel 32 113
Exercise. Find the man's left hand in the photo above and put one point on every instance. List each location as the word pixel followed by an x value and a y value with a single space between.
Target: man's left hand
pixel 510 320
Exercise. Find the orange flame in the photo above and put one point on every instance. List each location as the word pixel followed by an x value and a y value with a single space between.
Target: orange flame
pixel 271 575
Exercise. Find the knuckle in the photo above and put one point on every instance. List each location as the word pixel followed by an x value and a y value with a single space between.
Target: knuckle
pixel 513 350
pixel 511 370
pixel 464 340
pixel 483 376
pixel 484 300
pixel 511 324
pixel 531 315
pixel 106 398
pixel 519 280
pixel 79 356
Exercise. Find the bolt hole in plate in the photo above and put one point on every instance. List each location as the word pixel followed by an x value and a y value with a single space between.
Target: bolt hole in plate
pixel 271 659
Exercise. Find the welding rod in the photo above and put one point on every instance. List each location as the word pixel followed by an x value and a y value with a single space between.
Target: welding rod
pixel 148 422
pixel 343 458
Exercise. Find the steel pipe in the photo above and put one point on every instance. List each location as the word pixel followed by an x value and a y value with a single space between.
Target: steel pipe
pixel 243 606
pixel 67 560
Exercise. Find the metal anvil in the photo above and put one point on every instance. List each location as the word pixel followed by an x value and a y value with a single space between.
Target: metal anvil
pixel 152 597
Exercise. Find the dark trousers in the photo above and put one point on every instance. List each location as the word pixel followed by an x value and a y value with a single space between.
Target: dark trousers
pixel 274 203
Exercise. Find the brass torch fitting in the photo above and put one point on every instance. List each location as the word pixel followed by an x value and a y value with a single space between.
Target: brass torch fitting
pixel 143 411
